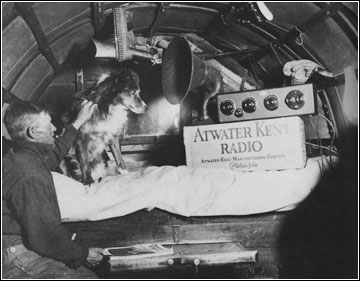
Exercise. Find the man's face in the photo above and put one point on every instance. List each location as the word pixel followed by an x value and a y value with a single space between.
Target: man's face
pixel 44 129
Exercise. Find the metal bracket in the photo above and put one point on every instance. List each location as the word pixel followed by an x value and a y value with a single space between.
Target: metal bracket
pixel 315 19
pixel 326 109
pixel 212 55
pixel 98 15
pixel 176 233
pixel 159 17
pixel 79 80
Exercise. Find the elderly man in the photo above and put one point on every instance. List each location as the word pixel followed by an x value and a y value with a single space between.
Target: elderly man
pixel 34 243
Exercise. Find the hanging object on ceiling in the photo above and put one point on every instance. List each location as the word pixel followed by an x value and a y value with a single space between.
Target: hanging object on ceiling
pixel 300 71
pixel 125 49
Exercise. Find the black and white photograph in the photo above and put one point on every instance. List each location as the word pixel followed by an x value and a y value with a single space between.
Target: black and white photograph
pixel 180 140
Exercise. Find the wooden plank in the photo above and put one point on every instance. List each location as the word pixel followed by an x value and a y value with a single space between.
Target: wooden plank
pixel 160 217
pixel 268 265
pixel 203 254
pixel 114 236
pixel 152 139
pixel 249 234
pixel 257 234
pixel 138 147
pixel 272 217
pixel 132 140
pixel 166 262
pixel 169 139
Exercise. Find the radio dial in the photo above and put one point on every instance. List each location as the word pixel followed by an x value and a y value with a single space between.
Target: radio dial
pixel 271 102
pixel 227 107
pixel 249 105
pixel 295 99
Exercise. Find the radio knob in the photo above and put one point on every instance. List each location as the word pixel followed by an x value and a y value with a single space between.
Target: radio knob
pixel 249 105
pixel 227 107
pixel 239 112
pixel 295 99
pixel 271 102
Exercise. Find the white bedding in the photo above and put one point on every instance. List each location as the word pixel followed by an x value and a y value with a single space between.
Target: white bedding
pixel 186 191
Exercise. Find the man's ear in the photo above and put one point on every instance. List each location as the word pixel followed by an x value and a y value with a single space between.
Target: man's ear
pixel 30 132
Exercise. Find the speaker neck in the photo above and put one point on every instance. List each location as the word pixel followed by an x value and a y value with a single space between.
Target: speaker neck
pixel 212 86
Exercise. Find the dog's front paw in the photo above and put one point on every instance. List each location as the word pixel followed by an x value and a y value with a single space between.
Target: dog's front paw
pixel 88 179
pixel 122 171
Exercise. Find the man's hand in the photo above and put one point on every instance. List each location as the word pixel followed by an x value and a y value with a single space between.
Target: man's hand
pixel 87 109
pixel 95 256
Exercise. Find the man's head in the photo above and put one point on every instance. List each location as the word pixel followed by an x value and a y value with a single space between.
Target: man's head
pixel 27 121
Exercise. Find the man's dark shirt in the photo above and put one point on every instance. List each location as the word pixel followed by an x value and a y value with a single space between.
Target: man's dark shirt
pixel 30 206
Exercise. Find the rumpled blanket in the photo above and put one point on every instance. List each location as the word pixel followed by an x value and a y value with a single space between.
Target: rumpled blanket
pixel 187 191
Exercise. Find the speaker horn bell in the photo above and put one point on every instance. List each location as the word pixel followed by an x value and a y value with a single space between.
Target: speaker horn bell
pixel 182 71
